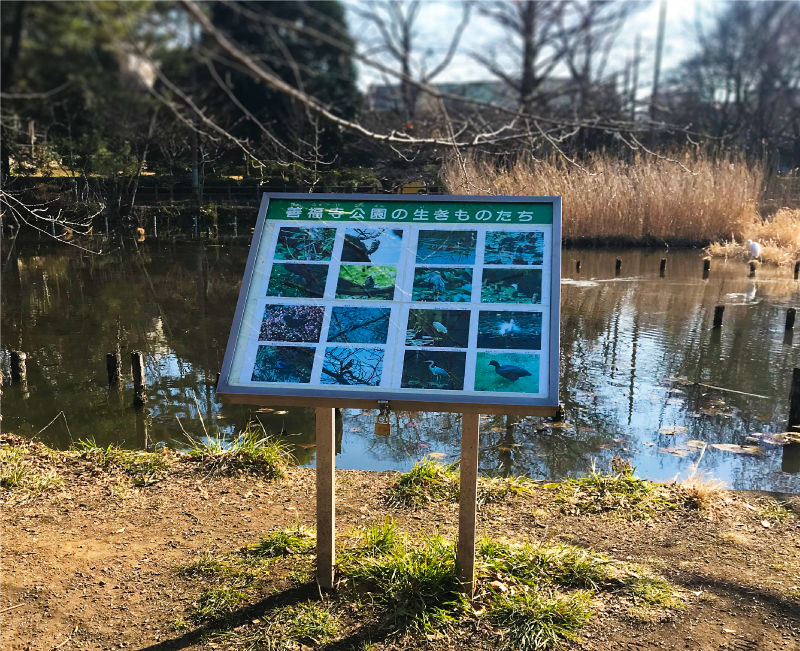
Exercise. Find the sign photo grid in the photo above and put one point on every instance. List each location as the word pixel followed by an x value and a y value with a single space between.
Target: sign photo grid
pixel 442 309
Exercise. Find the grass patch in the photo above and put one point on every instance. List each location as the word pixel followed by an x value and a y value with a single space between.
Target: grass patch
pixel 251 450
pixel 566 566
pixel 144 468
pixel 20 477
pixel 418 586
pixel 432 481
pixel 536 622
pixel 310 623
pixel 622 492
pixel 650 590
pixel 381 538
pixel 774 510
pixel 285 542
pixel 219 602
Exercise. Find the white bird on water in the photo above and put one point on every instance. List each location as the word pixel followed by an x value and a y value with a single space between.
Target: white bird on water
pixel 755 248
pixel 508 328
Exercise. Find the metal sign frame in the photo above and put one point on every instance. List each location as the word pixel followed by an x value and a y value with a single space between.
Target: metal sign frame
pixel 404 399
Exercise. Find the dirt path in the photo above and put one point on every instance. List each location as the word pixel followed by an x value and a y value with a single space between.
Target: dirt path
pixel 92 565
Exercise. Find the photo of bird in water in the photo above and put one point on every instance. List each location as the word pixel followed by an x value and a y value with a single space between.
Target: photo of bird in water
pixel 283 364
pixel 509 330
pixel 442 285
pixel 425 369
pixel 438 328
pixel 507 372
pixel 514 248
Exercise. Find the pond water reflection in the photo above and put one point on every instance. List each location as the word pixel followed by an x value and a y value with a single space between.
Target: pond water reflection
pixel 639 363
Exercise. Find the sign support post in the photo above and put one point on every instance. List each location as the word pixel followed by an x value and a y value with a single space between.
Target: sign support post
pixel 326 497
pixel 467 500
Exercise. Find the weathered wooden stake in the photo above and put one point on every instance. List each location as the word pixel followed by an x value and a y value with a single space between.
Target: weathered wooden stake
pixel 19 371
pixel 790 314
pixel 718 312
pixel 139 386
pixel 618 266
pixel 797 270
pixel 468 500
pixel 326 497
pixel 752 269
pixel 663 267
pixel 706 268
pixel 114 368
pixel 577 266
pixel 794 402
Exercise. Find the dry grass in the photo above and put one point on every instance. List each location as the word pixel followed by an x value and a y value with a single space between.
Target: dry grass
pixel 649 200
pixel 779 236
pixel 700 491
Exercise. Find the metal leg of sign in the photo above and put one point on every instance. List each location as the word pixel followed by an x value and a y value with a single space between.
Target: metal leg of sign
pixel 326 497
pixel 467 500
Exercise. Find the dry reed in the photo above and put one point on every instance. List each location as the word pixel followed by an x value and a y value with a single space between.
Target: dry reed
pixel 648 200
pixel 779 236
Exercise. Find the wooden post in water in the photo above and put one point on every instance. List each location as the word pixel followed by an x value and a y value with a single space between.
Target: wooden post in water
pixel 19 370
pixel 718 312
pixel 114 368
pixel 468 501
pixel 794 402
pixel 752 269
pixel 326 496
pixel 662 270
pixel 139 386
pixel 577 266
pixel 706 267
pixel 790 314
pixel 797 270
pixel 618 266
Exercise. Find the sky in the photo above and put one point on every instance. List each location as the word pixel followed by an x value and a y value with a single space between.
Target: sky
pixel 438 19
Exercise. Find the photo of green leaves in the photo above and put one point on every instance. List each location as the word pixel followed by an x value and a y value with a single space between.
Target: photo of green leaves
pixel 297 280
pixel 299 243
pixel 369 282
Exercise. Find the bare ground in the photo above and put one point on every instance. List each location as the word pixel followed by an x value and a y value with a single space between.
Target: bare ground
pixel 91 565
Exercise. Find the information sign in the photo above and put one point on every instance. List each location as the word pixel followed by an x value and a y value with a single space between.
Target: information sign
pixel 445 303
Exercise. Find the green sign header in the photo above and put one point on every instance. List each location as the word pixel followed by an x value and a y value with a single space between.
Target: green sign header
pixel 411 211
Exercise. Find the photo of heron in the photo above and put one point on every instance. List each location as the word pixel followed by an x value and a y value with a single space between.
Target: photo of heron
pixel 443 285
pixel 305 243
pixel 375 245
pixel 359 325
pixel 511 286
pixel 291 323
pixel 427 369
pixel 283 364
pixel 446 247
pixel 297 280
pixel 353 366
pixel 370 282
pixel 507 372
pixel 517 248
pixel 510 330
pixel 438 328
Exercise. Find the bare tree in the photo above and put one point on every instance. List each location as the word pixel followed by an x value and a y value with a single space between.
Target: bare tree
pixel 395 39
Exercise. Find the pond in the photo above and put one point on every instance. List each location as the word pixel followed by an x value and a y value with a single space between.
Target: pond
pixel 643 373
